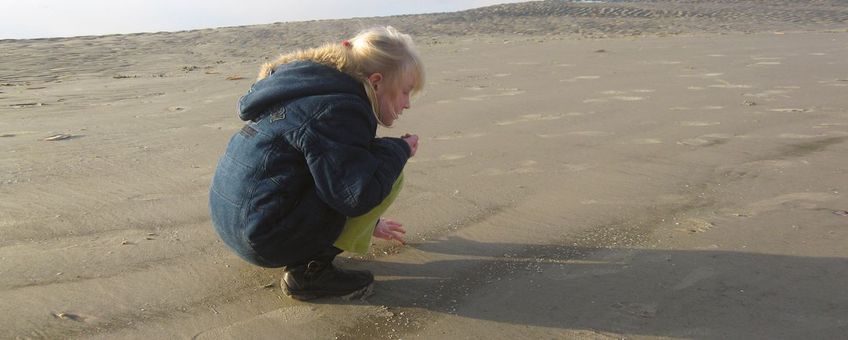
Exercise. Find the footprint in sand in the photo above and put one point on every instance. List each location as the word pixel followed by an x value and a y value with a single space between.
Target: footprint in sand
pixel 686 108
pixel 621 98
pixel 226 125
pixel 574 133
pixel 803 200
pixel 799 136
pixel 530 118
pixel 828 125
pixel 445 157
pixel 465 70
pixel 662 62
pixel 755 169
pixel 693 225
pixel 701 75
pixel 835 82
pixel 503 93
pixel 646 141
pixel 147 197
pixel 525 167
pixel 786 110
pixel 75 317
pixel 705 140
pixel 698 123
pixel 622 95
pixel 695 276
pixel 611 92
pixel 490 172
pixel 767 93
pixel 577 78
pixel 590 133
pixel 628 98
pixel 10 134
pixel 458 135
pixel 577 114
pixel 178 108
pixel 453 156
pixel 294 315
pixel 727 85
pixel 640 310
pixel 718 136
pixel 575 167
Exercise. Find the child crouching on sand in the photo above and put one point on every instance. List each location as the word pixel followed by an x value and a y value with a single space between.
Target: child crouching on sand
pixel 307 177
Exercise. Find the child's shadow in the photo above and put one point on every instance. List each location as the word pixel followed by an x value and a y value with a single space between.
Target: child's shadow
pixel 644 291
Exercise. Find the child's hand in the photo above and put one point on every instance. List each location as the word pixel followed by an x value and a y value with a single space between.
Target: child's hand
pixel 389 230
pixel 412 140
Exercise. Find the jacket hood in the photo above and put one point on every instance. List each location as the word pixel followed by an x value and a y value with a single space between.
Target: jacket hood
pixel 294 80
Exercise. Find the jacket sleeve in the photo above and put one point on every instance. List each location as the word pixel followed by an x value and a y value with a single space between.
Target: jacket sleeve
pixel 353 170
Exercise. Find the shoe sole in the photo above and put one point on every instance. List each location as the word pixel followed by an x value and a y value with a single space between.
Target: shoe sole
pixel 362 294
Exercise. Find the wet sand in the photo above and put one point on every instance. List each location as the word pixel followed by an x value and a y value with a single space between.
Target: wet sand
pixel 605 170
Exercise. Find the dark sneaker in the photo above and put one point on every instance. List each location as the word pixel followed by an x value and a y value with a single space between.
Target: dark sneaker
pixel 318 279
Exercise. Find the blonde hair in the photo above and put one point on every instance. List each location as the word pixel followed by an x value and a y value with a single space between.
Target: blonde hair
pixel 381 50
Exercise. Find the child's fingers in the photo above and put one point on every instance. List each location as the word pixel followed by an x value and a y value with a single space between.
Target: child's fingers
pixel 399 238
pixel 390 230
pixel 393 235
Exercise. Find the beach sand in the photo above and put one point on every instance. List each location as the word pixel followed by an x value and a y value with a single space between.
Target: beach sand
pixel 597 170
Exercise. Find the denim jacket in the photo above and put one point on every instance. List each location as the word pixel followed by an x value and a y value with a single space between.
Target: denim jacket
pixel 307 159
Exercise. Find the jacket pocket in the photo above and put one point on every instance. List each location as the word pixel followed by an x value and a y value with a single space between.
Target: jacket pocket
pixel 232 180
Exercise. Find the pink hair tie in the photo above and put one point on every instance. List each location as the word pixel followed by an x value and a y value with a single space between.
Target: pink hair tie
pixel 346 43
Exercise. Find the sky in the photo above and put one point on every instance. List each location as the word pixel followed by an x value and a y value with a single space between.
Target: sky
pixel 25 19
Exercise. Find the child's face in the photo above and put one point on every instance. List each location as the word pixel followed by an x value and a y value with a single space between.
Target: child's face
pixel 393 97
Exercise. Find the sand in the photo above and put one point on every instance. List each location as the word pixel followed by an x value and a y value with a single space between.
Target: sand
pixel 598 170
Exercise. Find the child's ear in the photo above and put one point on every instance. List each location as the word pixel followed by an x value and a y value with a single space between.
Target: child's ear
pixel 375 79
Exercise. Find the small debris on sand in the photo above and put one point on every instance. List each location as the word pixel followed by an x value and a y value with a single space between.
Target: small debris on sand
pixel 362 294
pixel 68 316
pixel 23 105
pixel 57 137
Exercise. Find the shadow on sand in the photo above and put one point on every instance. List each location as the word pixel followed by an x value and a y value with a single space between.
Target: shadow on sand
pixel 645 292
